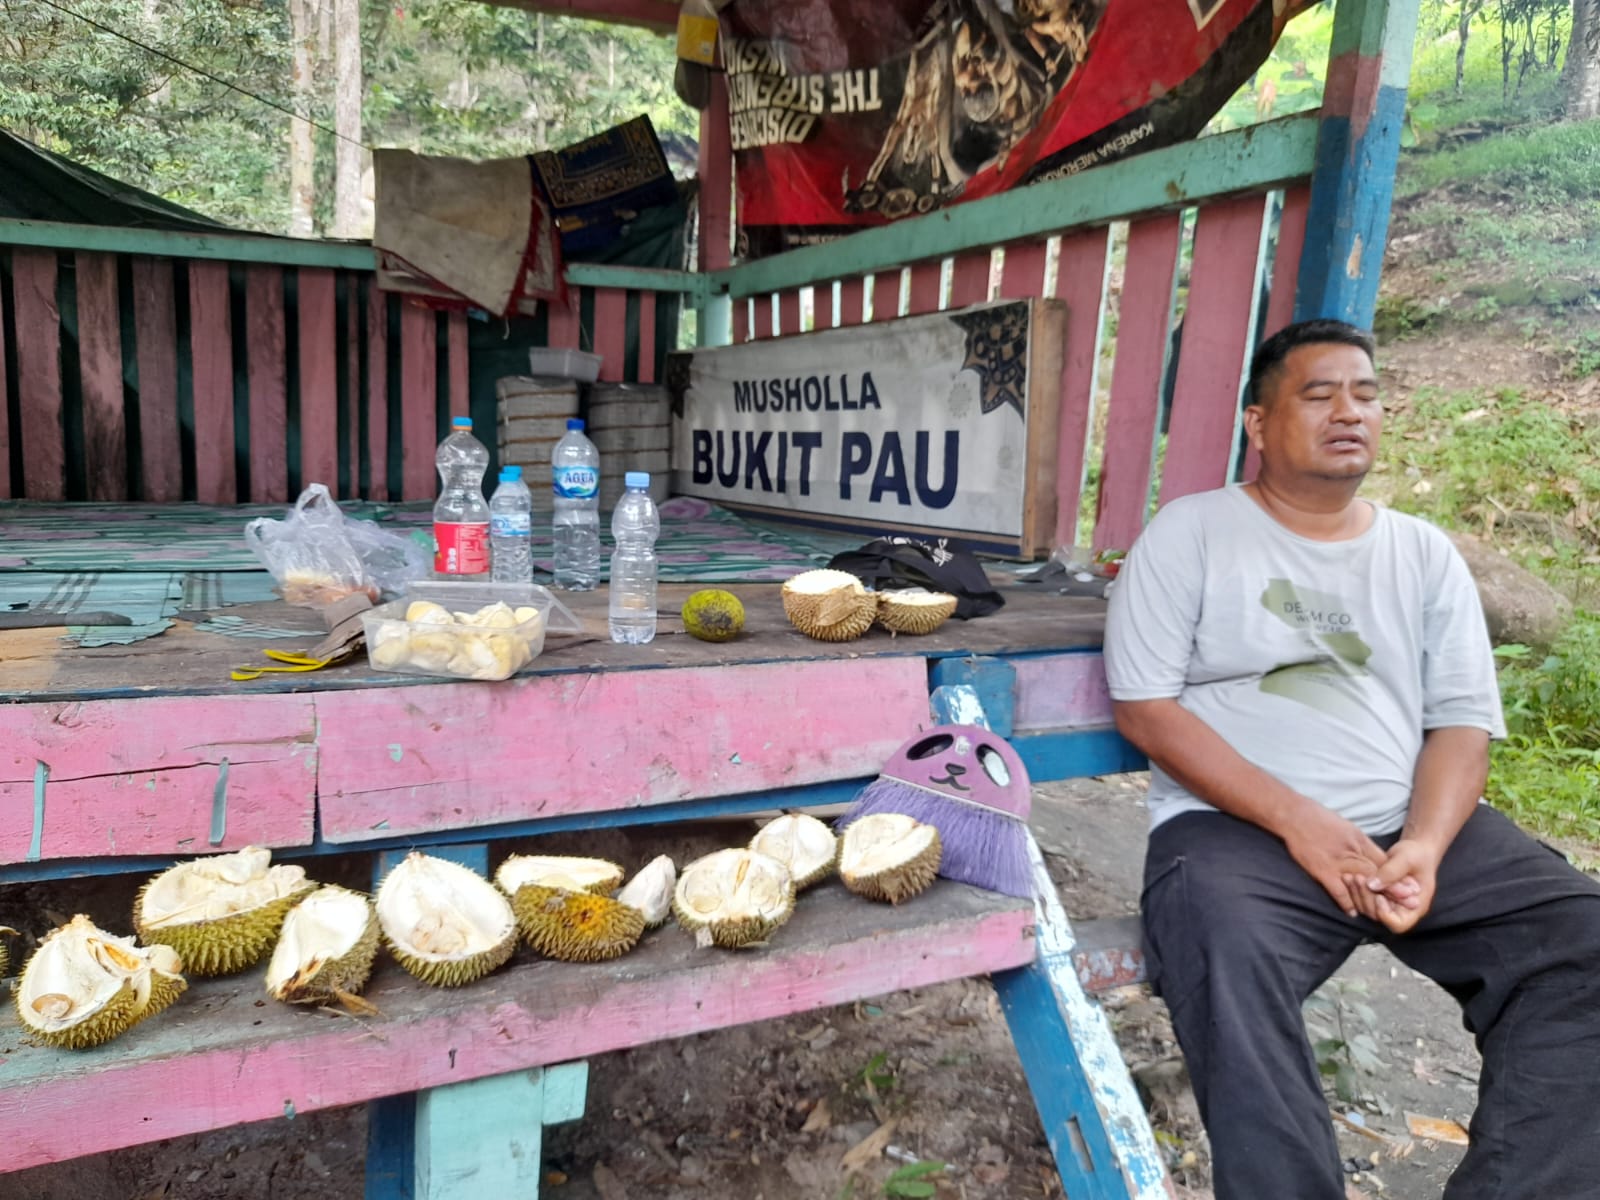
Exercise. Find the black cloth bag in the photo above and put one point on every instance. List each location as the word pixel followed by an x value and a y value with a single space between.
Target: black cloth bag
pixel 902 562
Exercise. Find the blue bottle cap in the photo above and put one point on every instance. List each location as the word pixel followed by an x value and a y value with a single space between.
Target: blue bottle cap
pixel 574 423
pixel 461 422
pixel 510 474
pixel 637 479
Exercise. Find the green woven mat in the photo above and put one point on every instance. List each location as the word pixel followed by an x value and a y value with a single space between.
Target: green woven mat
pixel 699 542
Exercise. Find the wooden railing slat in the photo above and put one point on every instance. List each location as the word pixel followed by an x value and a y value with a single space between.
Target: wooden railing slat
pixel 611 331
pixel 211 351
pixel 969 278
pixel 822 305
pixel 379 485
pixel 561 322
pixel 460 365
pixel 105 439
pixel 925 280
pixel 319 378
pixel 419 401
pixel 1217 325
pixel 38 324
pixel 1146 312
pixel 155 329
pixel 885 296
pixel 1023 272
pixel 647 336
pixel 789 313
pixel 265 352
pixel 852 301
pixel 5 413
pixel 1081 282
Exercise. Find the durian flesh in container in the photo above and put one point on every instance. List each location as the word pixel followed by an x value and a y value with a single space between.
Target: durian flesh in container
pixel 469 630
pixel 650 890
pixel 733 898
pixel 802 843
pixel 889 856
pixel 443 922
pixel 221 914
pixel 564 907
pixel 84 986
pixel 326 949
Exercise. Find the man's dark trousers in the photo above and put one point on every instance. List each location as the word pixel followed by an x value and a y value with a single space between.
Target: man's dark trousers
pixel 1238 935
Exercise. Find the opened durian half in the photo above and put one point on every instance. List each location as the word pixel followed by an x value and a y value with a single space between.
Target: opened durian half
pixel 889 856
pixel 221 914
pixel 596 875
pixel 650 891
pixel 803 844
pixel 733 898
pixel 564 907
pixel 831 606
pixel 5 932
pixel 914 610
pixel 444 923
pixel 326 949
pixel 84 986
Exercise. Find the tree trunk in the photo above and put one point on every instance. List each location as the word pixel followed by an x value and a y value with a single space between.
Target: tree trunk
pixel 302 147
pixel 1463 30
pixel 1580 80
pixel 347 90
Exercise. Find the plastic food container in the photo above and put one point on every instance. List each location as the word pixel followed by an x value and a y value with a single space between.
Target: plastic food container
pixel 546 361
pixel 456 630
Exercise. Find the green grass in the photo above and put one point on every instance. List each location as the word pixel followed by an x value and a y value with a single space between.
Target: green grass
pixel 1476 454
pixel 1557 162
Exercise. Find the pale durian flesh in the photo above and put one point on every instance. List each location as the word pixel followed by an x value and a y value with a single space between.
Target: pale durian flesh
pixel 326 948
pixel 575 926
pixel 495 642
pixel 803 844
pixel 443 922
pixel 733 898
pixel 221 914
pixel 829 605
pixel 84 986
pixel 574 874
pixel 889 856
pixel 914 610
pixel 650 891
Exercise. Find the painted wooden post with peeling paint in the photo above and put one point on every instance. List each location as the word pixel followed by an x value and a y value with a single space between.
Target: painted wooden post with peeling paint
pixel 1358 147
pixel 1097 1128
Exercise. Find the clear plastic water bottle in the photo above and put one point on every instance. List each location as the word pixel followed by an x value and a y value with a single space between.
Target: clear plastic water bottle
pixel 635 525
pixel 511 529
pixel 461 518
pixel 575 477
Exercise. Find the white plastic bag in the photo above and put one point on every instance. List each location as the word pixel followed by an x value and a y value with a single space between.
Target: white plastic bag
pixel 318 556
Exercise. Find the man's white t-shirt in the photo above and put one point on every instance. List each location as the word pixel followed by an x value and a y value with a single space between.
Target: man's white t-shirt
pixel 1322 663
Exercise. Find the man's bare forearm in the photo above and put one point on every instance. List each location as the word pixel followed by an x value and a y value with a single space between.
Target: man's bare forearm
pixel 1195 755
pixel 1451 772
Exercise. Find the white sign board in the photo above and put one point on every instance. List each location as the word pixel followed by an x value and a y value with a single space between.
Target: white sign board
pixel 941 424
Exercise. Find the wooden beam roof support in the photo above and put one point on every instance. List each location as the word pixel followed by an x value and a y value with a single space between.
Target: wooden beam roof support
pixel 1358 148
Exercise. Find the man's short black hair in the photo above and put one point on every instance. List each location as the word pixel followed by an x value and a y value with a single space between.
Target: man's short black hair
pixel 1270 354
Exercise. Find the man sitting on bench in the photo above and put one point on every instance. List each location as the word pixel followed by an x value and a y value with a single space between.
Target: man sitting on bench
pixel 1312 680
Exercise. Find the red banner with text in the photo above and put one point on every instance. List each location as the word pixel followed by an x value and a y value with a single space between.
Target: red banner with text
pixel 846 114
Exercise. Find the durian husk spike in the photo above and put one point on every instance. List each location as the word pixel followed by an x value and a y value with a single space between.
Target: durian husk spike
pixel 572 873
pixel 426 902
pixel 303 972
pixel 575 926
pixel 189 907
pixel 889 857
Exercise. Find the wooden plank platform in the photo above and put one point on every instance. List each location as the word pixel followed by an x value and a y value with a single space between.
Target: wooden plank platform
pixel 36 665
pixel 226 1054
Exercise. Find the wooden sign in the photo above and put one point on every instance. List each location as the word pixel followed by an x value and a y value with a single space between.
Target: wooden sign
pixel 940 425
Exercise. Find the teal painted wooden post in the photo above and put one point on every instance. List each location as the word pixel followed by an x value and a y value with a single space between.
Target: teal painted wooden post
pixel 1097 1129
pixel 1358 147
pixel 483 1138
pixel 391 1121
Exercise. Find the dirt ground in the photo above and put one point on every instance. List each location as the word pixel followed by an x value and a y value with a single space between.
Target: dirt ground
pixel 768 1112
